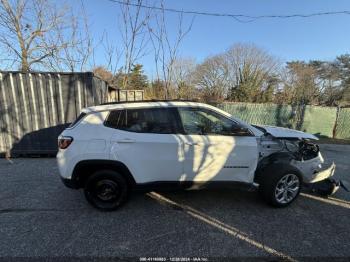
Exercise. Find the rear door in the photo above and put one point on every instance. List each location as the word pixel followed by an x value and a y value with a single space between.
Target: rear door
pixel 144 141
pixel 216 148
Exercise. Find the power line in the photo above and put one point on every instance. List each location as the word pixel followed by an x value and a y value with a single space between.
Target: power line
pixel 237 17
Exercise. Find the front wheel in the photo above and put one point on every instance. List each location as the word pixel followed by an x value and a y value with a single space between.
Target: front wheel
pixel 106 190
pixel 280 185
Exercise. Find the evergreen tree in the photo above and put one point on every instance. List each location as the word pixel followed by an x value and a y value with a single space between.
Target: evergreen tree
pixel 137 78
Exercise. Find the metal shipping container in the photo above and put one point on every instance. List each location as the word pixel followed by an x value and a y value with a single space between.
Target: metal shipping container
pixel 36 107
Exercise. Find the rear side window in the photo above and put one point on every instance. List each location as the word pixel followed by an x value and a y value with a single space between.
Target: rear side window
pixel 80 117
pixel 148 120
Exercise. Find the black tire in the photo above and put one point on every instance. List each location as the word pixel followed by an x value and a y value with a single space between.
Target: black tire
pixel 274 179
pixel 106 190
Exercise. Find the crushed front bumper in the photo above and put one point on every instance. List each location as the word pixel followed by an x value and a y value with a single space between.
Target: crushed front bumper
pixel 318 179
pixel 318 176
pixel 312 170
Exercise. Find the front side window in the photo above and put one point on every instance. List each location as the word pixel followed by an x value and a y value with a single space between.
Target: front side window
pixel 148 120
pixel 201 121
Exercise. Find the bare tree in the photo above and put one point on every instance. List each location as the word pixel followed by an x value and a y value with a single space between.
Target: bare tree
pixel 301 82
pixel 250 71
pixel 211 77
pixel 104 74
pixel 182 77
pixel 78 45
pixel 134 31
pixel 32 30
pixel 242 73
pixel 166 46
pixel 112 54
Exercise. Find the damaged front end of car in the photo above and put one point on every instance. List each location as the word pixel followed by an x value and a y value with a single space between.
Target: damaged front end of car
pixel 295 148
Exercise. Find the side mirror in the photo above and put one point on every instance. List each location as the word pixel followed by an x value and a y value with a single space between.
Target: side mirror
pixel 241 131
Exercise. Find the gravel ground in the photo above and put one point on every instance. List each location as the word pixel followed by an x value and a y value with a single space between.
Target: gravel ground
pixel 39 217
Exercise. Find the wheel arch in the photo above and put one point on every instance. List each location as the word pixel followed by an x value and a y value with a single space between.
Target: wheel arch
pixel 85 168
pixel 275 160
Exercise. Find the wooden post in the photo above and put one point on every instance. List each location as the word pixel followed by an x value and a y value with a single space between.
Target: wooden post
pixel 336 123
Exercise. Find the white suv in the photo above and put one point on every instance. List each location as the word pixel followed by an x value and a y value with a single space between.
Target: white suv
pixel 115 148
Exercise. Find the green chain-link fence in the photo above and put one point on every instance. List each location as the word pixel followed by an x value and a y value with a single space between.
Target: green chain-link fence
pixel 343 124
pixel 312 119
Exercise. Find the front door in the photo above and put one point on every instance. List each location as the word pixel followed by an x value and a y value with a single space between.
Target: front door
pixel 216 148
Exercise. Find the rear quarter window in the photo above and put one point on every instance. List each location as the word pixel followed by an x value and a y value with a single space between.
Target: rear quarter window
pixel 80 117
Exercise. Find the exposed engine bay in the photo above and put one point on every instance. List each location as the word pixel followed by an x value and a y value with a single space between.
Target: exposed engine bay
pixel 303 154
pixel 300 149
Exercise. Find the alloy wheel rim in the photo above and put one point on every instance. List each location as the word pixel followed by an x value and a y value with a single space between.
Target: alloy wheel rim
pixel 287 188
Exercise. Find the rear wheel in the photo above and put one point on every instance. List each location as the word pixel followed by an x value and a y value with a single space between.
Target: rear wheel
pixel 280 185
pixel 106 190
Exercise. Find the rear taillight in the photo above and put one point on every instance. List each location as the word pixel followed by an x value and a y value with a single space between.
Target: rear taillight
pixel 64 142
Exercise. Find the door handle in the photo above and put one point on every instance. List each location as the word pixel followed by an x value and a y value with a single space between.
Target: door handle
pixel 191 143
pixel 126 140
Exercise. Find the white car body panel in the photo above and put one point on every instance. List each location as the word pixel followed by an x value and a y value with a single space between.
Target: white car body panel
pixel 91 141
pixel 149 157
pixel 219 158
pixel 163 157
pixel 282 132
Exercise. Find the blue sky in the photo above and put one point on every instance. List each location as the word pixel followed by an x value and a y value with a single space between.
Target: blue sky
pixel 288 39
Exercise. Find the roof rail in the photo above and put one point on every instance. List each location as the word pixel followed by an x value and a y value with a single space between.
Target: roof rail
pixel 150 100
